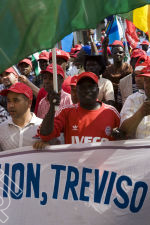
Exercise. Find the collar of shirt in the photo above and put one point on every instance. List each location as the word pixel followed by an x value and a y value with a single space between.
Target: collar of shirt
pixel 32 121
pixel 141 91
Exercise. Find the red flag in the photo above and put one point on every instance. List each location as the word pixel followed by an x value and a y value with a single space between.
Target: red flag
pixel 131 34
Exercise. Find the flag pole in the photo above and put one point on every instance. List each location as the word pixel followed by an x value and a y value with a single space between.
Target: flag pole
pixel 127 55
pixel 54 62
pixel 55 85
pixel 110 23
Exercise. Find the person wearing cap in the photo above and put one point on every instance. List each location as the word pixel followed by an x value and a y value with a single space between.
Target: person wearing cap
pixel 96 64
pixel 74 67
pixel 25 68
pixel 135 114
pixel 145 47
pixel 118 69
pixel 19 129
pixel 43 62
pixel 27 77
pixel 8 77
pixel 47 74
pixel 62 58
pixel 130 84
pixel 86 122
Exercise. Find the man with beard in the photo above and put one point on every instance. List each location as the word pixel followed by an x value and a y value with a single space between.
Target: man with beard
pixel 87 122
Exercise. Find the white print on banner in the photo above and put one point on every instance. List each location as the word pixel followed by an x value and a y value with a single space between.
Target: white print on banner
pixel 86 139
pixel 4 197
pixel 70 182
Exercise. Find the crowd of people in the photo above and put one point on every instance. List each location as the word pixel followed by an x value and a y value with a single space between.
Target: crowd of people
pixel 100 97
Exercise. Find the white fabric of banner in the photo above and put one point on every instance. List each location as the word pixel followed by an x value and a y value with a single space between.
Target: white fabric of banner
pixel 92 184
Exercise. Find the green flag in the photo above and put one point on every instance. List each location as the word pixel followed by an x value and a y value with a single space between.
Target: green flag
pixel 28 26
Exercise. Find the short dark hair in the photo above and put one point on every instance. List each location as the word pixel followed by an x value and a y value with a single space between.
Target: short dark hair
pixel 97 58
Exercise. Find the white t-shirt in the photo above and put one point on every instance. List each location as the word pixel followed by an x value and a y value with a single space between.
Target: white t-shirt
pixel 106 91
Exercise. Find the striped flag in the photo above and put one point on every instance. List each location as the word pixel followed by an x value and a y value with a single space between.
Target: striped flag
pixel 114 30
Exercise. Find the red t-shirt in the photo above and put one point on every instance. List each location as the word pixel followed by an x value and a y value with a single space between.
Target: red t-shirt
pixel 85 126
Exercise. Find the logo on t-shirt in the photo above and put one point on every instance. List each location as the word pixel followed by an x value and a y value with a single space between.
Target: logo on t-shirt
pixel 74 127
pixel 108 131
pixel 86 139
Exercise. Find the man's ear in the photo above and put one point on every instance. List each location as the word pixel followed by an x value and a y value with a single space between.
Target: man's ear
pixel 30 102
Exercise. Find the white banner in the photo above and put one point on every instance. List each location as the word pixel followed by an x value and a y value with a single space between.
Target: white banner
pixel 89 184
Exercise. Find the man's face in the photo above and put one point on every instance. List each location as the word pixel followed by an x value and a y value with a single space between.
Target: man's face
pixel 25 69
pixel 17 104
pixel 8 79
pixel 62 62
pixel 147 86
pixel 74 97
pixel 118 54
pixel 48 82
pixel 93 66
pixel 43 63
pixel 87 91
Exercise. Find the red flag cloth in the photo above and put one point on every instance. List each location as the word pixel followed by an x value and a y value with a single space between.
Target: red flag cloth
pixel 131 34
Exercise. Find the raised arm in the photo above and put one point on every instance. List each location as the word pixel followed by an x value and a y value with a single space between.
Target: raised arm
pixel 26 81
pixel 47 125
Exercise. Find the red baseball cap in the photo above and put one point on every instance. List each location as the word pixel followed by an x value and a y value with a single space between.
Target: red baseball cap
pixel 116 42
pixel 19 88
pixel 78 47
pixel 74 52
pixel 49 69
pixel 142 67
pixel 11 70
pixel 145 72
pixel 28 61
pixel 44 55
pixel 142 62
pixel 87 74
pixel 66 85
pixel 145 43
pixel 60 54
pixel 73 81
pixel 137 52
